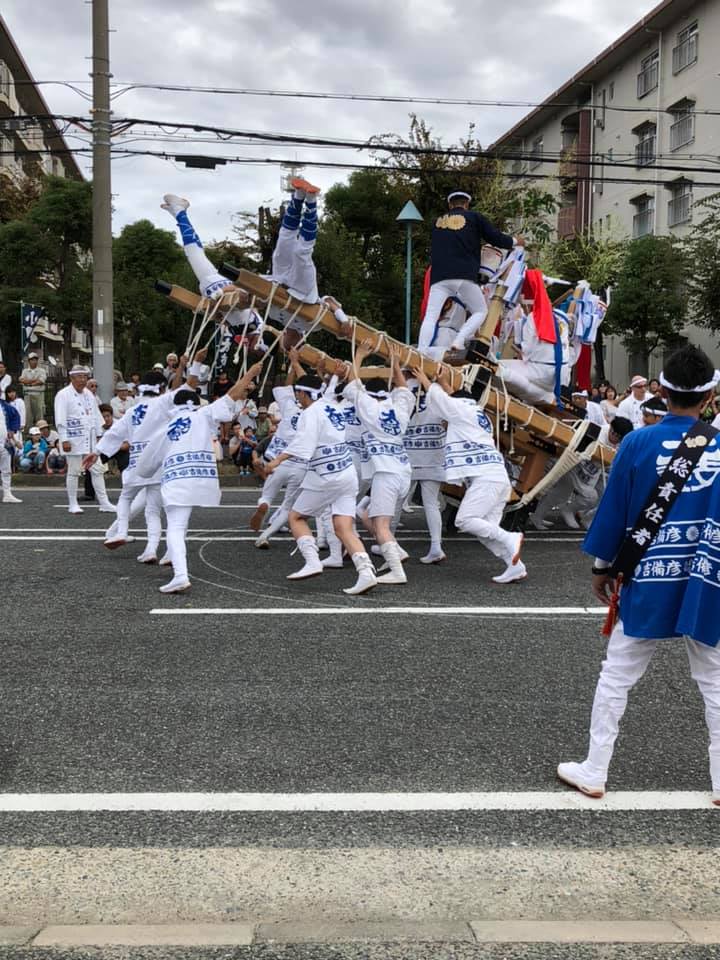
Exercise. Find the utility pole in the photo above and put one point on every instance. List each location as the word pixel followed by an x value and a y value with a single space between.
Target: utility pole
pixel 102 324
pixel 408 215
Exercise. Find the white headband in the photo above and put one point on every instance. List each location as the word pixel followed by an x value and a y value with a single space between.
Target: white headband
pixel 313 391
pixel 701 389
pixel 149 388
pixel 458 193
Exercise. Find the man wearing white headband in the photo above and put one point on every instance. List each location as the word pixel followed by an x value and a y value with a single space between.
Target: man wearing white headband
pixel 330 482
pixel 291 473
pixel 183 454
pixel 425 447
pixel 385 460
pixel 457 239
pixel 138 427
pixel 631 407
pixel 471 458
pixel 671 572
pixel 79 425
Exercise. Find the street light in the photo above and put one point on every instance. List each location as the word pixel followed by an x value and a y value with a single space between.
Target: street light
pixel 408 215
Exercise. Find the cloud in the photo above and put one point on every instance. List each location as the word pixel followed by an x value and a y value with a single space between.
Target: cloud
pixel 433 48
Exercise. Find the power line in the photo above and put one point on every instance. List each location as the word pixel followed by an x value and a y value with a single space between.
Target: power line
pixel 127 86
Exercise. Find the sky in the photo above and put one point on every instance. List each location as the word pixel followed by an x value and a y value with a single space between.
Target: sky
pixel 413 48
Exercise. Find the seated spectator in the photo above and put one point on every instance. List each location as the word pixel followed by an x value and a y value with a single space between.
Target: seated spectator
pixel 34 451
pixel 246 414
pixel 134 383
pixel 55 462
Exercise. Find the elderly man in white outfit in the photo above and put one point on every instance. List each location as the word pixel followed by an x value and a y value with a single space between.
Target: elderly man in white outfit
pixel 425 447
pixel 631 407
pixel 79 425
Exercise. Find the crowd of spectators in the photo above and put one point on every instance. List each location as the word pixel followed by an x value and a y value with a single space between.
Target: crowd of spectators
pixel 35 447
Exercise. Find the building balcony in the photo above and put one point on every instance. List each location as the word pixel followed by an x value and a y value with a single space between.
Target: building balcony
pixel 645 152
pixel 643 224
pixel 567 222
pixel 647 80
pixel 685 53
pixel 679 210
pixel 682 132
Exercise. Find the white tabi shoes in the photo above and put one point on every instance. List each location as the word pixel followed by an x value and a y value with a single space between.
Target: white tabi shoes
pixel 434 556
pixel 392 552
pixel 74 508
pixel 174 204
pixel 165 560
pixel 147 556
pixel 366 575
pixel 9 497
pixel 176 585
pixel 575 775
pixel 112 543
pixel 313 567
pixel 262 543
pixel 107 508
pixel 515 570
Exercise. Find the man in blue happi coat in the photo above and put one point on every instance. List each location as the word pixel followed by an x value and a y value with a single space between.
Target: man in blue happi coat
pixel 674 591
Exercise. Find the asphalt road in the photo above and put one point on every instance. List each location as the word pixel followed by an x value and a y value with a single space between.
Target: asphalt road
pixel 101 695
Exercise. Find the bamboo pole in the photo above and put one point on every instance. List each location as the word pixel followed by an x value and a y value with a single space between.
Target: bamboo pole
pixel 544 427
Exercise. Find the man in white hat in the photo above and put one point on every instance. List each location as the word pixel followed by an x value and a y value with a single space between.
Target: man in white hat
pixel 457 239
pixel 33 379
pixel 79 425
pixel 631 407
pixel 593 411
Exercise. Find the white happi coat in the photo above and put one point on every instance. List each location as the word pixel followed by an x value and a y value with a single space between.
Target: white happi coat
pixel 384 423
pixel 470 449
pixel 78 420
pixel 290 412
pixel 320 440
pixel 184 452
pixel 425 443
pixel 139 426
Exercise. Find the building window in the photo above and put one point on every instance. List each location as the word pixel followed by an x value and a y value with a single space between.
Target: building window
pixel 680 203
pixel 611 89
pixel 536 157
pixel 7 151
pixel 602 112
pixel 649 72
pixel 5 80
pixel 682 130
pixel 686 51
pixel 644 216
pixel 645 147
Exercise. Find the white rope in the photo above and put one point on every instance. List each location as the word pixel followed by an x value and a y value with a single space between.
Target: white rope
pixel 322 313
pixel 566 461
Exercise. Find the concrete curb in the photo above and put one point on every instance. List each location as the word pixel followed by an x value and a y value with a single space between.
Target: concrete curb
pixel 695 931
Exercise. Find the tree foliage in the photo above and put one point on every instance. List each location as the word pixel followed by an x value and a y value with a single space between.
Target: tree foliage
pixel 648 305
pixel 701 248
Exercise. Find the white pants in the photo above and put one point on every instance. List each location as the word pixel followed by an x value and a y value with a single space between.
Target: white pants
pixel 626 661
pixel 430 492
pixel 132 500
pixel 293 480
pixel 532 382
pixel 338 494
pixel 5 466
pixel 97 475
pixel 467 291
pixel 293 266
pixel 178 521
pixel 480 513
pixel 211 283
pixel 278 479
pixel 387 493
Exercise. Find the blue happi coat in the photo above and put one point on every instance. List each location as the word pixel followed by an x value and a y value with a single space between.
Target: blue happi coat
pixel 676 587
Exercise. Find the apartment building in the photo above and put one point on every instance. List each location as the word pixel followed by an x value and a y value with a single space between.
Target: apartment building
pixel 626 142
pixel 26 143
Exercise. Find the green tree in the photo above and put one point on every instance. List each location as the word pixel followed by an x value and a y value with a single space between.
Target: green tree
pixel 18 192
pixel 147 325
pixel 701 248
pixel 44 255
pixel 649 303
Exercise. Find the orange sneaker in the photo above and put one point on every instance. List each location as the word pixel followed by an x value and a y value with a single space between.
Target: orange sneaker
pixel 298 183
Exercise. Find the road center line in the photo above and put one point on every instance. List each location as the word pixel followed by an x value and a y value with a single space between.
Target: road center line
pixel 393 611
pixel 352 802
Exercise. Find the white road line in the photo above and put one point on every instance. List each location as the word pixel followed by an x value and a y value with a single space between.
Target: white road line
pixel 78 534
pixel 352 802
pixel 363 611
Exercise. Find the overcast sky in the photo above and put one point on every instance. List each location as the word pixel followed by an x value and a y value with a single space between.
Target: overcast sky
pixel 444 48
